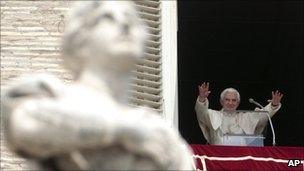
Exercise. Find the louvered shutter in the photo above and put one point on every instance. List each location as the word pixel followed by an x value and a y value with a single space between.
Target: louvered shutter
pixel 147 84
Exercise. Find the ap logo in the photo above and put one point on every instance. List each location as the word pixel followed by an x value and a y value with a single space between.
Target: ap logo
pixel 294 162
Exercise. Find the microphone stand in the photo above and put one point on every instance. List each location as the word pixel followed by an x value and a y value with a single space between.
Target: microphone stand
pixel 263 111
pixel 272 129
pixel 269 119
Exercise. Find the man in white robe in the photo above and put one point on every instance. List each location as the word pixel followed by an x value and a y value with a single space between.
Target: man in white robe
pixel 215 124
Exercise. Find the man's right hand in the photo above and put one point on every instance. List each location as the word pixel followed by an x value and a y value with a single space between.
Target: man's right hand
pixel 203 92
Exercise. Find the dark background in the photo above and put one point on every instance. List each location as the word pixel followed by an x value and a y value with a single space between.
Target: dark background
pixel 255 47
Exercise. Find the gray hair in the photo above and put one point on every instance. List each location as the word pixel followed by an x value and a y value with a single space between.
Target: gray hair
pixel 230 90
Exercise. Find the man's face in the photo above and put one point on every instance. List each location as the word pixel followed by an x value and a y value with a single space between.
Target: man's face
pixel 230 102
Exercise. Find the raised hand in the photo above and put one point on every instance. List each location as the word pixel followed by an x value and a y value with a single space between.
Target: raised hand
pixel 203 91
pixel 276 98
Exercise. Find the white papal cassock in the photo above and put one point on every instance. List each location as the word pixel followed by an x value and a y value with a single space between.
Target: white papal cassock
pixel 215 124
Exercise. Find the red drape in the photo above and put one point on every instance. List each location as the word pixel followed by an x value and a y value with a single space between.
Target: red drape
pixel 248 158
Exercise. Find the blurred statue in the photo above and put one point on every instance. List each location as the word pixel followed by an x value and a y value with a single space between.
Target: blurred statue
pixel 86 125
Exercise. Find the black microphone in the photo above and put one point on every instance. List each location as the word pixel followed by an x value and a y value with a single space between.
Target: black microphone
pixel 256 103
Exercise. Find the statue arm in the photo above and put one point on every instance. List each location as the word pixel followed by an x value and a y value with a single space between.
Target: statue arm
pixel 43 128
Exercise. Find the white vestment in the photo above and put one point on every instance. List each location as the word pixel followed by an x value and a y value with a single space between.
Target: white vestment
pixel 215 124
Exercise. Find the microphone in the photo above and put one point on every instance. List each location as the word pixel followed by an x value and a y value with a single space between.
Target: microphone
pixel 256 103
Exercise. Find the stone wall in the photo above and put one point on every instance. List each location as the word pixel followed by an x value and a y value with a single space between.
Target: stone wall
pixel 30 43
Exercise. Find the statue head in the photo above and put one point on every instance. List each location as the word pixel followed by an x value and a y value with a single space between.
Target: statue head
pixel 103 34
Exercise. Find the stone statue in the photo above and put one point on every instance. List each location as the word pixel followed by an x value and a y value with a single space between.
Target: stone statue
pixel 86 124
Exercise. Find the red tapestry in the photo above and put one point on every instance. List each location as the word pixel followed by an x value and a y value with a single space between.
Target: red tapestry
pixel 211 157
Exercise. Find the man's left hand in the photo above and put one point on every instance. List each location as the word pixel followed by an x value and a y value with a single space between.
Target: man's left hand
pixel 276 98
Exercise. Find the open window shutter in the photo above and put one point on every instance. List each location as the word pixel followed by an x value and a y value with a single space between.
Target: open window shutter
pixel 147 84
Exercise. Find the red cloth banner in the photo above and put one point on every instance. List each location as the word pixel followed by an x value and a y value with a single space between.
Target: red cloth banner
pixel 211 157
